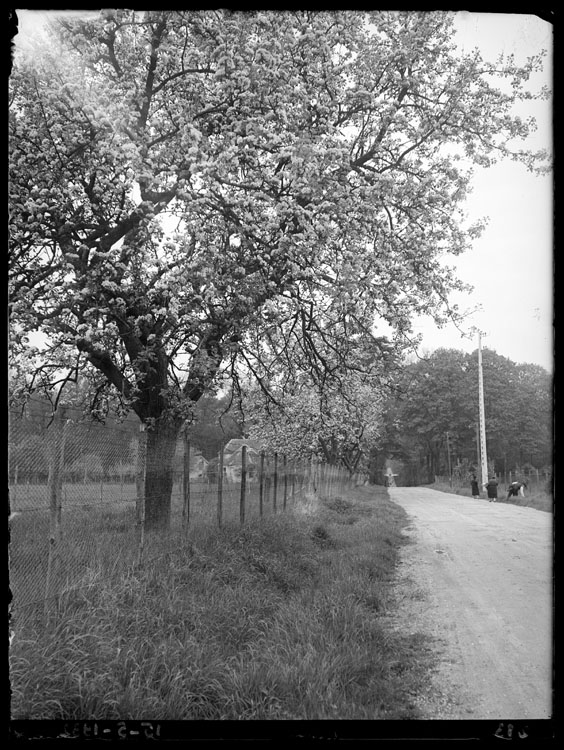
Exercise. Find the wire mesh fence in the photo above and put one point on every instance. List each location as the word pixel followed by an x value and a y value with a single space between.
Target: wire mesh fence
pixel 77 497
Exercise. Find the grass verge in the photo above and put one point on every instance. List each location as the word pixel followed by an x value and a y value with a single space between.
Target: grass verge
pixel 276 620
pixel 535 498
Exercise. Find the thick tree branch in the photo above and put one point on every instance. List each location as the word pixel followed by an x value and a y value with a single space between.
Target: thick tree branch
pixel 102 361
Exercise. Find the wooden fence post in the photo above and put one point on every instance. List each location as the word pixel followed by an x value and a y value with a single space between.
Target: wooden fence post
pixel 261 482
pixel 275 482
pixel 186 482
pixel 313 475
pixel 140 476
pixel 293 480
pixel 285 464
pixel 220 487
pixel 140 490
pixel 267 483
pixel 55 484
pixel 243 484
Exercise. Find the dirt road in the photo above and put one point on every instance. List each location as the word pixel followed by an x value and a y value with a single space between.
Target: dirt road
pixel 477 577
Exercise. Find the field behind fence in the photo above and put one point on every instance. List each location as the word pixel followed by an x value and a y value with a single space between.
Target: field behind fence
pixel 76 490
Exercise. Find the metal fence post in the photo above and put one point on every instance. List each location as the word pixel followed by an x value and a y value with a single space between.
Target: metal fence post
pixel 243 484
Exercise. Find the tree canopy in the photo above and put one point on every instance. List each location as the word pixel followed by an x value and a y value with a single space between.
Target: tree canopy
pixel 194 194
pixel 439 395
pixel 337 425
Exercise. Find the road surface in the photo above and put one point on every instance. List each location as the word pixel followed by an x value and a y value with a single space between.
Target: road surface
pixel 478 578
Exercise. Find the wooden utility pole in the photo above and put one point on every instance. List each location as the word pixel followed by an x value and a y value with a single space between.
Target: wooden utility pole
pixel 483 451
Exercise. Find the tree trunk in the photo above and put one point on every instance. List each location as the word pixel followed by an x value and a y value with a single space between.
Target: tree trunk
pixel 161 447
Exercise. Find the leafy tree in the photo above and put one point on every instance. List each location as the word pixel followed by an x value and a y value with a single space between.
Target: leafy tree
pixel 192 192
pixel 216 421
pixel 518 408
pixel 531 417
pixel 439 395
pixel 499 376
pixel 436 402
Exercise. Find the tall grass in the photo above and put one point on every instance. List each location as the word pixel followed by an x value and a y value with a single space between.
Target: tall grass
pixel 276 620
pixel 90 531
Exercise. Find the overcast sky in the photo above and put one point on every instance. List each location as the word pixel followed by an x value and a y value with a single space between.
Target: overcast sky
pixel 510 266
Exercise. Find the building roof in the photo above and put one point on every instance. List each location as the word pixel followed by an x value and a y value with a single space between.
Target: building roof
pixel 235 444
pixel 233 450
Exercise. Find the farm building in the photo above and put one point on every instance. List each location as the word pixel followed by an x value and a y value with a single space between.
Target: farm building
pixel 232 460
pixel 198 465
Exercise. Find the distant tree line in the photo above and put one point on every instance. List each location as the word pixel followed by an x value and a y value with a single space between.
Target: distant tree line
pixel 436 399
pixel 427 403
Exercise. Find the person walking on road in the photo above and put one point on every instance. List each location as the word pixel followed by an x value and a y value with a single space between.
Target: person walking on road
pixel 491 487
pixel 475 488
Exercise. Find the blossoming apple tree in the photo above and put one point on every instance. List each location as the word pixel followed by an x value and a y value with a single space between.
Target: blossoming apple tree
pixel 196 192
pixel 339 425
